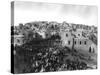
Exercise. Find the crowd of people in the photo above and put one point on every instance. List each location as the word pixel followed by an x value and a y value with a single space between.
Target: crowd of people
pixel 43 58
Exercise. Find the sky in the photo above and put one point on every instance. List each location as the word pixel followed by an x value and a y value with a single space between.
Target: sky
pixel 37 11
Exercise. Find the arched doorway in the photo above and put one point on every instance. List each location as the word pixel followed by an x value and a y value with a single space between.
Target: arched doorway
pixel 90 49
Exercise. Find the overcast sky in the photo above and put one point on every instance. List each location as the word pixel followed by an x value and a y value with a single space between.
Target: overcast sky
pixel 32 11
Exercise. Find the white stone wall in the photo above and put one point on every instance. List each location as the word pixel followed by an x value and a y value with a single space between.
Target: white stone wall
pixel 84 45
pixel 65 40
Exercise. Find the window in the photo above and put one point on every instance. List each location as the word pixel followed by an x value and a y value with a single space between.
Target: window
pixel 78 34
pixel 85 42
pixel 18 40
pixel 69 42
pixel 90 49
pixel 75 42
pixel 80 42
pixel 66 35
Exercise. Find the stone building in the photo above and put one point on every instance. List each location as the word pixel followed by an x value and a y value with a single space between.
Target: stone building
pixel 18 40
pixel 79 43
pixel 85 44
pixel 66 39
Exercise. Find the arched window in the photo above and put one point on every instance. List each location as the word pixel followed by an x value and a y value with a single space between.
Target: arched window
pixel 90 49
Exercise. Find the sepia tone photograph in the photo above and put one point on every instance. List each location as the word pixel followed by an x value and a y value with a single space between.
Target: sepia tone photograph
pixel 51 37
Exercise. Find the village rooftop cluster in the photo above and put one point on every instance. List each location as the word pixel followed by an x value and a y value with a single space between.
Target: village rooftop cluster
pixel 81 36
pixel 43 46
